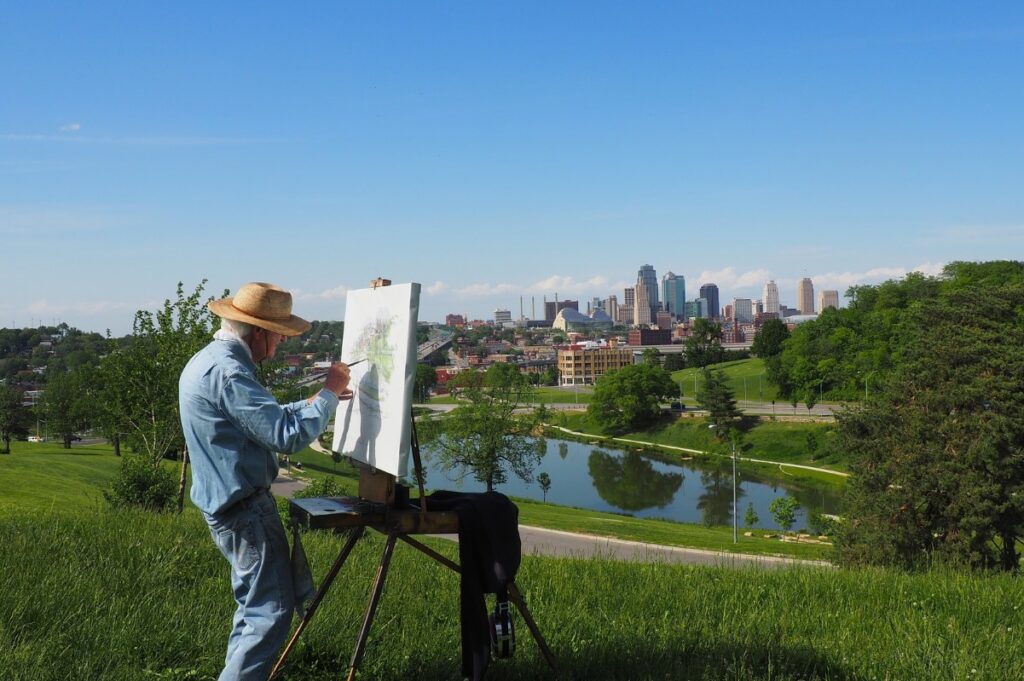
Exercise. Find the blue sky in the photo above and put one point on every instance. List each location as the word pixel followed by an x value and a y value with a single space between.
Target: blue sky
pixel 492 150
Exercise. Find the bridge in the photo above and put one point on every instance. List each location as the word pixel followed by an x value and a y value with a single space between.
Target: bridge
pixel 437 340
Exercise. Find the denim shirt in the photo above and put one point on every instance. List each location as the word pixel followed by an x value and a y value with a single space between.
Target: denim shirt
pixel 233 425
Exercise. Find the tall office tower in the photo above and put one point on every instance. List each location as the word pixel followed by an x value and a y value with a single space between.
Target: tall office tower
pixel 828 299
pixel 771 298
pixel 649 277
pixel 611 306
pixel 502 316
pixel 628 296
pixel 709 292
pixel 597 304
pixel 642 309
pixel 673 294
pixel 805 296
pixel 742 310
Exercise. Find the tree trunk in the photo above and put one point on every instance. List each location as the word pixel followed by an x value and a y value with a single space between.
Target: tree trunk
pixel 181 483
pixel 117 444
pixel 7 443
pixel 67 441
pixel 1010 559
pixel 490 483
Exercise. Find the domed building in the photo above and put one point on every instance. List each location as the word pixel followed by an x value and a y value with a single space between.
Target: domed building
pixel 569 319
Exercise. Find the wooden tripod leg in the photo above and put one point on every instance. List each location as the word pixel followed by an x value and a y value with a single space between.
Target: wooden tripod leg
pixel 430 552
pixel 318 596
pixel 516 597
pixel 378 588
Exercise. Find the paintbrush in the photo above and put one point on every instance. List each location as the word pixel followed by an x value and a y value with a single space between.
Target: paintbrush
pixel 352 364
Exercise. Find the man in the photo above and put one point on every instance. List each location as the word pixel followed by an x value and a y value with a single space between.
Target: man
pixel 233 427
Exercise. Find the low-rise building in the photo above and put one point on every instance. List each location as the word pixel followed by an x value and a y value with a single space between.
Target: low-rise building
pixel 584 365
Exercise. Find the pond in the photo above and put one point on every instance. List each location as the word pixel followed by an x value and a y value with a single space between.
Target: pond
pixel 649 486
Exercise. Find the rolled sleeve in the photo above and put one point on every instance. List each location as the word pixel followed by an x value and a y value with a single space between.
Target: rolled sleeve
pixel 287 429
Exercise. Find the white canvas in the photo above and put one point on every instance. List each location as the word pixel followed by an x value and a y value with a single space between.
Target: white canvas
pixel 374 427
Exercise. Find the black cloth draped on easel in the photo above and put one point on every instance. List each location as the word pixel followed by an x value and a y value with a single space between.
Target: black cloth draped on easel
pixel 489 552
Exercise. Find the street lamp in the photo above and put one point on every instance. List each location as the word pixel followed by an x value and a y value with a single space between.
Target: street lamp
pixel 733 441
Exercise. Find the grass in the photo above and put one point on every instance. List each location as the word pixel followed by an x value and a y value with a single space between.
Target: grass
pixel 777 441
pixel 736 372
pixel 136 596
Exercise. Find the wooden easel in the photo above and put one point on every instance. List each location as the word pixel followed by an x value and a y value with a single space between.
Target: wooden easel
pixel 376 508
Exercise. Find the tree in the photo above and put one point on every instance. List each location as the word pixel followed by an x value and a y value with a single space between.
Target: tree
pixel 937 452
pixel 426 378
pixel 67 404
pixel 141 386
pixel 544 480
pixel 14 418
pixel 769 339
pixel 630 397
pixel 750 518
pixel 716 397
pixel 783 510
pixel 652 356
pixel 630 482
pixel 704 346
pixel 674 362
pixel 483 436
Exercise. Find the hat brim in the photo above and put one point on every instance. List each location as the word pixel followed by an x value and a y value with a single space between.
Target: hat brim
pixel 291 326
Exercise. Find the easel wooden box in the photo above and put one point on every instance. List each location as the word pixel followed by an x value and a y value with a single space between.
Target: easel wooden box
pixel 376 508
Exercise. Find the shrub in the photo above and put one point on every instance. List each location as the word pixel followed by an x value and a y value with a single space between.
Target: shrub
pixel 140 483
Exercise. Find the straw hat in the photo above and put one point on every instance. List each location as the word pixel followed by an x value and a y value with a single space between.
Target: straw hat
pixel 263 305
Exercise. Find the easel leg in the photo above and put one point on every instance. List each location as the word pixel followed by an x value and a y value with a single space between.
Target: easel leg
pixel 378 588
pixel 356 533
pixel 517 598
pixel 514 595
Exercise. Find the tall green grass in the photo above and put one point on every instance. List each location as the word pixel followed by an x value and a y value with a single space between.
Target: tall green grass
pixel 129 596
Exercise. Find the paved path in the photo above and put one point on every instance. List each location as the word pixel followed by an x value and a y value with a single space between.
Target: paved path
pixel 545 542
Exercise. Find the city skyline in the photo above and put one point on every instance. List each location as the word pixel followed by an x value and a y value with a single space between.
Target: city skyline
pixel 497 151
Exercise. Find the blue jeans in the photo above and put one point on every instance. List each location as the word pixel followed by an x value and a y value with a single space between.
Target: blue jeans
pixel 252 539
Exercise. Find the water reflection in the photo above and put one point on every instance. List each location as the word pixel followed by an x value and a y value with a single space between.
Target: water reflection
pixel 629 482
pixel 715 503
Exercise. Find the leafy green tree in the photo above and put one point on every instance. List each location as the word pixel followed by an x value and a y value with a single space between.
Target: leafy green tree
pixel 750 518
pixel 549 376
pixel 141 483
pixel 704 346
pixel 652 356
pixel 563 450
pixel 630 397
pixel 141 387
pixel 674 362
pixel 783 510
pixel 716 397
pixel 14 418
pixel 812 444
pixel 483 436
pixel 769 339
pixel 544 480
pixel 937 452
pixel 426 378
pixel 67 404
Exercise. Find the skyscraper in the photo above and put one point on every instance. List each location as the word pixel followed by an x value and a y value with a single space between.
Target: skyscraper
pixel 805 296
pixel 828 299
pixel 629 296
pixel 650 281
pixel 742 310
pixel 771 298
pixel 709 292
pixel 642 309
pixel 673 294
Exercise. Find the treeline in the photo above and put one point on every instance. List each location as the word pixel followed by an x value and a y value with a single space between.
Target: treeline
pixel 846 353
pixel 50 349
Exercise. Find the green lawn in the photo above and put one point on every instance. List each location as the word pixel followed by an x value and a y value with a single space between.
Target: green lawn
pixel 124 596
pixel 746 378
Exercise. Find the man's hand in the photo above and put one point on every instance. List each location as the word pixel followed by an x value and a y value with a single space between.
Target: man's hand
pixel 337 380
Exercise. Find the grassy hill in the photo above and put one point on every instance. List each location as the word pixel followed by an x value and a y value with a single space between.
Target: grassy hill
pixel 89 593
pixel 746 378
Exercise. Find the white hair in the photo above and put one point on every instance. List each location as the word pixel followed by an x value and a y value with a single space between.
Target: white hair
pixel 236 328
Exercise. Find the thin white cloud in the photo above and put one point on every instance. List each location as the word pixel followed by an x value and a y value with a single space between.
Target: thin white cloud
pixel 154 140
pixel 484 289
pixel 334 293
pixel 71 127
pixel 44 308
pixel 437 288
pixel 729 278
pixel 843 280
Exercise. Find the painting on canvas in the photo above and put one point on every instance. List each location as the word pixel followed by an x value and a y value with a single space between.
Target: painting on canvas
pixel 374 427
